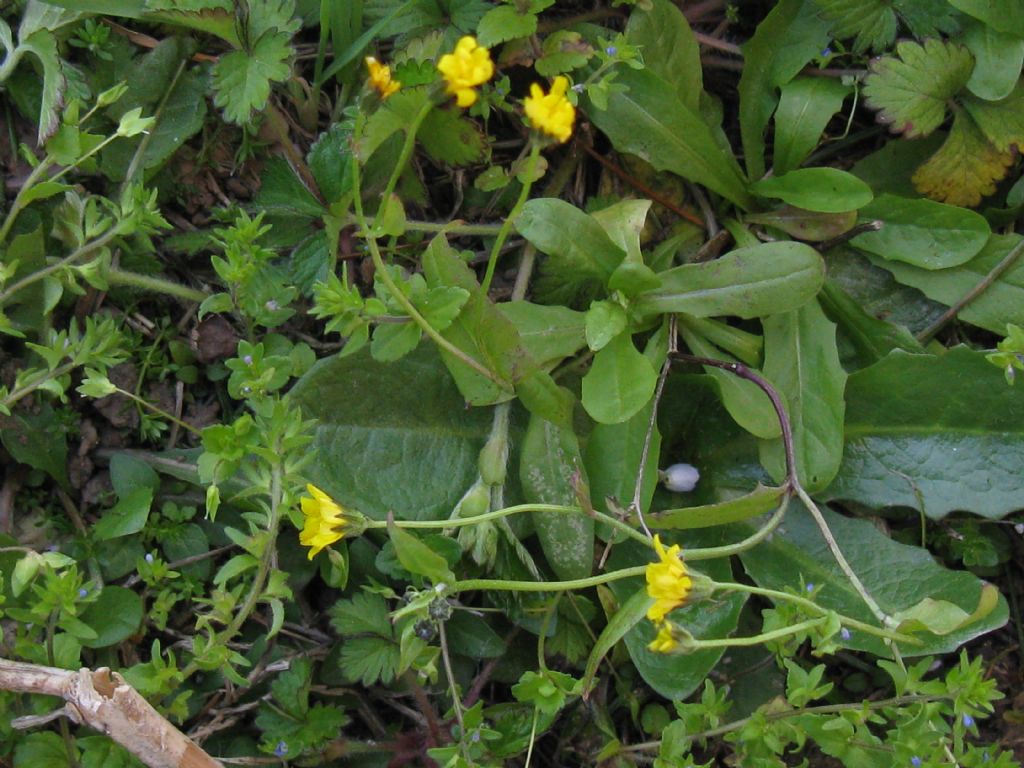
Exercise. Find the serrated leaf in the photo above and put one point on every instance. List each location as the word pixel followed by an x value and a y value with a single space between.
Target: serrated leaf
pixel 874 22
pixel 1001 121
pixel 364 613
pixel 450 138
pixel 965 168
pixel 912 89
pixel 241 80
pixel 504 23
pixel 369 660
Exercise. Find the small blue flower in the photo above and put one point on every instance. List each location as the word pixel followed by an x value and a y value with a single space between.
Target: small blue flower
pixel 985 757
pixel 281 749
pixel 272 305
pixel 844 633
pixel 149 557
pixel 578 87
pixel 810 587
pixel 915 761
pixel 611 50
pixel 826 52
pixel 83 592
pixel 247 359
pixel 968 721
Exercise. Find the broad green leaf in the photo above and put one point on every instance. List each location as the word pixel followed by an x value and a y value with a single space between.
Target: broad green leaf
pixel 937 434
pixel 1000 303
pixel 624 222
pixel 871 337
pixel 42 750
pixel 392 437
pixel 605 321
pixel 115 616
pixel 805 107
pixel 676 677
pixel 549 333
pixel 417 557
pixel 241 79
pixel 809 226
pixel 470 636
pixel 889 170
pixel 827 190
pixel 998 57
pixel 790 36
pixel 129 473
pixel 629 614
pixel 1001 121
pixel 669 49
pixel 748 282
pixel 43 45
pixel 965 168
pixel 580 255
pixel 912 89
pixel 38 439
pixel 942 617
pixel 649 121
pixel 126 517
pixel 283 193
pixel 762 499
pixel 744 400
pixel 503 23
pixel 619 383
pixel 897 575
pixel 1001 15
pixel 550 469
pixel 801 360
pixel 612 458
pixel 923 233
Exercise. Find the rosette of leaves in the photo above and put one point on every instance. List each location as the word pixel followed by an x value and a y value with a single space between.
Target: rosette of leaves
pixel 913 92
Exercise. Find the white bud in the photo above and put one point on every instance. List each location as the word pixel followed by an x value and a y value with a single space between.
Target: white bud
pixel 680 478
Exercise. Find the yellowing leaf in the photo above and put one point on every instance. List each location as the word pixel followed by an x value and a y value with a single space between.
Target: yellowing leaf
pixel 912 91
pixel 965 168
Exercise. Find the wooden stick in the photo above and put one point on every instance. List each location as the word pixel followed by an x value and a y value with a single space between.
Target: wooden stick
pixel 103 700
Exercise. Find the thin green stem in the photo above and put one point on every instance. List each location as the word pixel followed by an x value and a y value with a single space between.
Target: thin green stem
pixel 403 157
pixel 156 284
pixel 454 228
pixel 711 553
pixel 31 386
pixel 157 410
pixel 459 522
pixel 19 200
pixel 506 227
pixel 450 674
pixel 75 255
pixel 509 585
pixel 764 637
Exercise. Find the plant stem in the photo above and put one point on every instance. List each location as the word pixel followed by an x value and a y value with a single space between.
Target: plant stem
pixel 157 410
pixel 485 585
pixel 764 637
pixel 459 522
pixel 156 284
pixel 30 387
pixel 450 674
pixel 728 550
pixel 506 226
pixel 75 255
pixel 454 228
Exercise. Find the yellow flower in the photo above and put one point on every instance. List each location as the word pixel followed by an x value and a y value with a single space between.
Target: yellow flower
pixel 551 114
pixel 469 66
pixel 665 641
pixel 668 582
pixel 325 523
pixel 380 77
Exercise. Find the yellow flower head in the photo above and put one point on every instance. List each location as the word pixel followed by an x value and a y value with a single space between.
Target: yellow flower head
pixel 668 582
pixel 469 66
pixel 380 77
pixel 551 114
pixel 325 521
pixel 665 641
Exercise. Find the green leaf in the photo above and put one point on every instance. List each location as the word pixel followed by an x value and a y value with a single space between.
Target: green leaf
pixel 897 575
pixel 241 79
pixel 129 473
pixel 38 440
pixel 43 45
pixel 470 636
pixel 450 138
pixel 912 88
pixel 103 752
pixel 605 321
pixel 789 37
pixel 394 341
pixel 126 517
pixel 743 399
pixel 806 105
pixel 392 437
pixel 762 499
pixel 998 57
pixel 827 190
pixel 503 23
pixel 364 613
pixel 42 750
pixel 1001 15
pixel 942 617
pixel 1000 303
pixel 872 337
pixel 676 677
pixel 809 226
pixel 550 470
pixel 936 434
pixel 612 457
pixel 282 192
pixel 630 614
pixel 115 616
pixel 748 282
pixel 923 233
pixel 649 120
pixel 619 383
pixel 801 360
pixel 549 333
pixel 669 49
pixel 874 22
pixel 369 660
pixel 417 557
pixel 581 255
